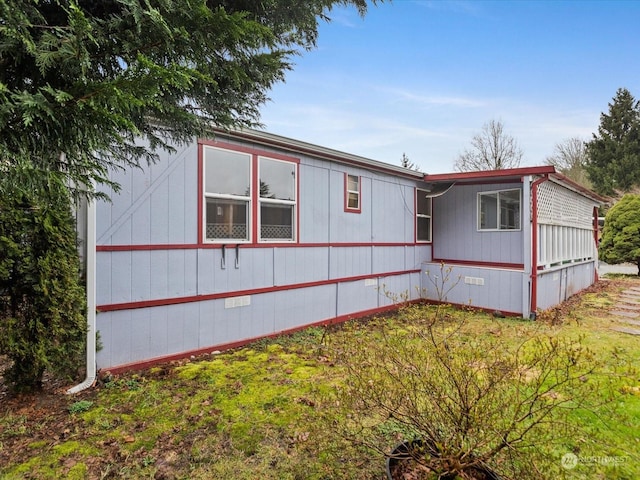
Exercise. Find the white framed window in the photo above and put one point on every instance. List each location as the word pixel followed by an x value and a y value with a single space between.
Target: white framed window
pixel 352 194
pixel 499 210
pixel 227 195
pixel 277 213
pixel 423 216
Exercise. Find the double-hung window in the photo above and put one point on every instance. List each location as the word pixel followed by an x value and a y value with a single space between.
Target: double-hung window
pixel 423 216
pixel 277 199
pixel 248 197
pixel 227 192
pixel 352 193
pixel 499 210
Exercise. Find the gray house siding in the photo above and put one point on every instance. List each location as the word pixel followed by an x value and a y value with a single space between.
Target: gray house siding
pixel 455 229
pixel 162 292
pixel 487 288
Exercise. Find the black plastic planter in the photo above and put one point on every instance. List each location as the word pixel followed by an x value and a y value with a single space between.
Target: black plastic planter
pixel 402 452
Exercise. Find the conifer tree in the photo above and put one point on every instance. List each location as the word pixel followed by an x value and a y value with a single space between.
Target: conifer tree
pixel 613 153
pixel 621 233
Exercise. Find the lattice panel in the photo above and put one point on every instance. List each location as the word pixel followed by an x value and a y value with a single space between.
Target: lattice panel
pixel 223 230
pixel 560 206
pixel 276 231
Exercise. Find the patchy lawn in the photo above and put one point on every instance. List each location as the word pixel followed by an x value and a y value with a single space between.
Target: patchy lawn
pixel 268 410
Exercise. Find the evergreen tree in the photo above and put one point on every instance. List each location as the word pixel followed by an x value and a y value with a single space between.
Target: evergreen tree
pixel 406 163
pixel 42 301
pixel 621 233
pixel 614 152
pixel 86 85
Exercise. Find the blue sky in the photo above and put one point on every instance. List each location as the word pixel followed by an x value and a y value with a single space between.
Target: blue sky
pixel 422 77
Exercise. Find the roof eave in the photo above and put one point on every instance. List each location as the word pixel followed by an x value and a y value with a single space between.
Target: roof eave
pixel 300 147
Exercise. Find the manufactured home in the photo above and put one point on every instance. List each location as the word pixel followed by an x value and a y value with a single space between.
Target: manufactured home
pixel 248 234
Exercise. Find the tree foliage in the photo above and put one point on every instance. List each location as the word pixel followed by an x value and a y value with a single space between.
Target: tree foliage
pixel 406 163
pixel 42 302
pixel 570 158
pixel 83 81
pixel 614 152
pixel 621 233
pixel 87 86
pixel 491 149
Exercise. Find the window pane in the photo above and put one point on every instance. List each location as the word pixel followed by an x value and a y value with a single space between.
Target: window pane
pixel 424 229
pixel 277 179
pixel 227 219
pixel 227 172
pixel 424 203
pixel 510 210
pixel 276 221
pixel 488 211
pixel 353 200
pixel 352 183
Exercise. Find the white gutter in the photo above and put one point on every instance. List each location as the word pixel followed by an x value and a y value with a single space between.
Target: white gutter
pixel 91 299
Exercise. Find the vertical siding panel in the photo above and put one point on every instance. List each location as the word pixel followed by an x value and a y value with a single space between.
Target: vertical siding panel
pixel 121 277
pixel 177 211
pixel 140 334
pixel 121 338
pixel 159 274
pixel 140 224
pixel 206 333
pixel 103 218
pixel 103 278
pixel 190 266
pixel 191 325
pixel 175 331
pixel 314 204
pixel 207 263
pixel 190 199
pixel 176 271
pixel 140 275
pixel 120 204
pixel 159 216
pixel 159 341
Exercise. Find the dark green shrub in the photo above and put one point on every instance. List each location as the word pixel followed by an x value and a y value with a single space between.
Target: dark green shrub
pixel 42 302
pixel 621 233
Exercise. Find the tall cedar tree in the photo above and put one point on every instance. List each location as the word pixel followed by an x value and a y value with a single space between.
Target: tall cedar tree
pixel 87 86
pixel 621 233
pixel 614 153
pixel 42 301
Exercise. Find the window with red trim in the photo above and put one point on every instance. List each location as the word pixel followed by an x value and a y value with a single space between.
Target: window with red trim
pixel 423 216
pixel 352 193
pixel 239 187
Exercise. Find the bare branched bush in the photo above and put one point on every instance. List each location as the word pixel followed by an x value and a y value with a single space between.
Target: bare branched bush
pixel 471 400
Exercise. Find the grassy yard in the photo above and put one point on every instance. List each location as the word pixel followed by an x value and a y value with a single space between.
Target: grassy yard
pixel 273 410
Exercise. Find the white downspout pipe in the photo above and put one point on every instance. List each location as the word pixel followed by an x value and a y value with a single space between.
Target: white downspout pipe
pixel 91 299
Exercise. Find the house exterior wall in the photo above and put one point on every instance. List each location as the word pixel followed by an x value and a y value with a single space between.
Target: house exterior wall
pixel 488 269
pixel 558 284
pixel 488 288
pixel 163 292
pixel 567 252
pixel 455 229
